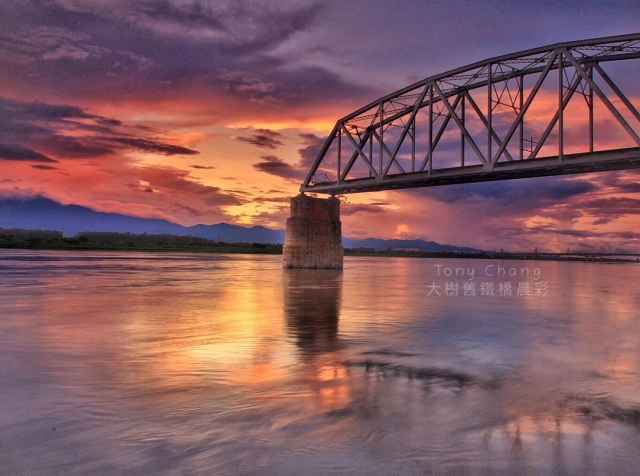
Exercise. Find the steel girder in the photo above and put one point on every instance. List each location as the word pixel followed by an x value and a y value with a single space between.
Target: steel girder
pixel 406 139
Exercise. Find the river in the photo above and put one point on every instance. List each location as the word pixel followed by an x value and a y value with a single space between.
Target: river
pixel 139 363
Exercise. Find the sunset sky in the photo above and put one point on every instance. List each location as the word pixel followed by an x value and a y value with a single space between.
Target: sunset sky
pixel 202 112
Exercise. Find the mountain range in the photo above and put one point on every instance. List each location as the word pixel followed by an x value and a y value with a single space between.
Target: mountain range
pixel 41 213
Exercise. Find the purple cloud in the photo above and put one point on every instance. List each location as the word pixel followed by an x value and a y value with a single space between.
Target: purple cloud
pixel 273 165
pixel 265 139
pixel 17 152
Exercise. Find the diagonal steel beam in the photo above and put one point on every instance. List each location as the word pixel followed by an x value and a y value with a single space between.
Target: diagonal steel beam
pixel 572 89
pixel 389 154
pixel 354 156
pixel 525 108
pixel 486 123
pixel 605 100
pixel 428 158
pixel 616 90
pixel 359 150
pixel 405 130
pixel 320 157
pixel 460 125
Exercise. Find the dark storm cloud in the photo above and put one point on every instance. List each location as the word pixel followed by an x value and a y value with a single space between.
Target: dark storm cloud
pixel 69 147
pixel 309 153
pixel 265 139
pixel 601 221
pixel 147 145
pixel 531 191
pixel 283 87
pixel 304 85
pixel 511 204
pixel 44 167
pixel 237 27
pixel 150 50
pixel 29 111
pixel 174 34
pixel 202 167
pixel 171 179
pixel 625 182
pixel 275 166
pixel 625 235
pixel 195 14
pixel 281 199
pixel 17 152
pixel 48 127
pixel 21 121
pixel 349 209
pixel 609 209
pixel 566 199
pixel 272 165
pixel 30 120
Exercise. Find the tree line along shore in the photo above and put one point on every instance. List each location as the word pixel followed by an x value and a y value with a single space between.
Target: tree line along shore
pixel 16 238
pixel 112 241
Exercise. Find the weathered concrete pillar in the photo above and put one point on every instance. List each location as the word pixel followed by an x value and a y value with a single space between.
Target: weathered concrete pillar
pixel 314 234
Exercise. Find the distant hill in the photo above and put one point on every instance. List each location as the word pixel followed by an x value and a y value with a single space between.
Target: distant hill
pixel 380 244
pixel 43 214
pixel 237 234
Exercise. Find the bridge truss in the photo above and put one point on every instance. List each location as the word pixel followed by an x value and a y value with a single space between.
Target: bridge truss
pixel 546 111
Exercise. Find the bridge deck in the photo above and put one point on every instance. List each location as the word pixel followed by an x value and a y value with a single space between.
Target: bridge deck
pixel 540 167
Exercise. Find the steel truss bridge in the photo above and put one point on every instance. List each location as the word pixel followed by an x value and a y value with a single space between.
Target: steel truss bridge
pixel 546 111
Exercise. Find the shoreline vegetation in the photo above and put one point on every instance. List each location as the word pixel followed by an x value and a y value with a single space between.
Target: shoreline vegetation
pixel 16 238
pixel 112 241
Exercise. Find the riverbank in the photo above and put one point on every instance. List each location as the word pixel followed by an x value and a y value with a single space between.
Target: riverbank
pixel 594 257
pixel 112 241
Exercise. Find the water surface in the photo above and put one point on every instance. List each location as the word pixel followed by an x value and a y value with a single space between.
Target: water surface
pixel 133 363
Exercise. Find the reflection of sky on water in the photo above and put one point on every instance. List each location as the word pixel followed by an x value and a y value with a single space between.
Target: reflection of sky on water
pixel 230 364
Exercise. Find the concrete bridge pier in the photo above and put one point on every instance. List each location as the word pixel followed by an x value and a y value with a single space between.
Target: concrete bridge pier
pixel 313 236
